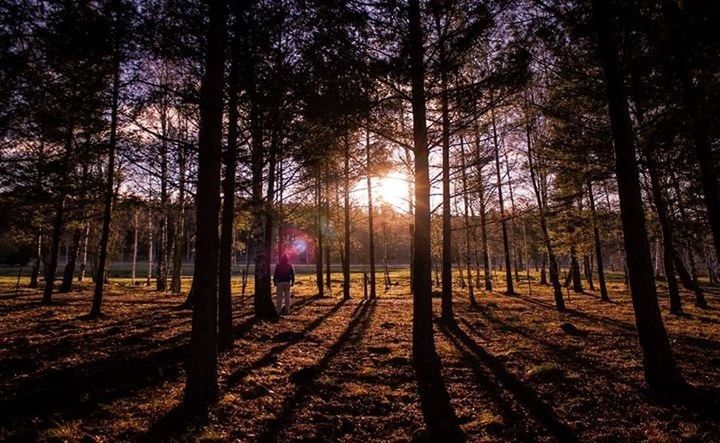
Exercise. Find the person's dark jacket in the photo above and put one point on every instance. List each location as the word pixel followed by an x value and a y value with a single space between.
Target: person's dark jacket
pixel 284 272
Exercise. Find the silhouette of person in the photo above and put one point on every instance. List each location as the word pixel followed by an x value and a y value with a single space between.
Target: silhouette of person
pixel 283 278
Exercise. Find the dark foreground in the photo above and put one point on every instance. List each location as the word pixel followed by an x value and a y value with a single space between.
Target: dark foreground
pixel 342 371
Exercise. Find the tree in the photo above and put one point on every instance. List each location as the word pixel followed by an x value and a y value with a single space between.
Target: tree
pixel 110 181
pixel 225 333
pixel 423 341
pixel 201 383
pixel 660 370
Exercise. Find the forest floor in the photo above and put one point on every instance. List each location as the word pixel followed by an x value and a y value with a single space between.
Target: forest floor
pixel 514 369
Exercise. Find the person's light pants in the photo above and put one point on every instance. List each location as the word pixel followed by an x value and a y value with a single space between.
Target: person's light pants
pixel 283 291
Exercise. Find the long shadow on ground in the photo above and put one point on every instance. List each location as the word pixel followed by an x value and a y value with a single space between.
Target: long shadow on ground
pixel 306 378
pixel 177 423
pixel 76 391
pixel 439 415
pixel 521 392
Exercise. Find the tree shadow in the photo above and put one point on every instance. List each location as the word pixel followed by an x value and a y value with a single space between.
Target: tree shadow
pixel 565 355
pixel 575 313
pixel 9 295
pixel 176 425
pixel 486 381
pixel 306 378
pixel 305 301
pixel 438 413
pixel 523 393
pixel 75 391
pixel 271 356
pixel 704 401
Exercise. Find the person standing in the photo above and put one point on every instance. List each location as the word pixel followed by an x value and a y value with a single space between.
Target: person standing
pixel 283 278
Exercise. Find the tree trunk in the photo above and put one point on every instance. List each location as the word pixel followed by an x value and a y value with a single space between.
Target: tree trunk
pixel 225 333
pixel 109 186
pixel 660 370
pixel 696 116
pixel 447 255
pixel 328 271
pixel 694 284
pixel 574 264
pixel 468 261
pixel 319 231
pixel 668 235
pixel 411 227
pixel 35 273
pixel 516 254
pixel 176 282
pixel 135 248
pixel 539 196
pixel 58 223
pixel 371 229
pixel 503 222
pixel 661 208
pixel 346 220
pixel 423 341
pixel 150 251
pixel 69 272
pixel 483 213
pixel 264 308
pixel 201 387
pixel 598 245
pixel 163 234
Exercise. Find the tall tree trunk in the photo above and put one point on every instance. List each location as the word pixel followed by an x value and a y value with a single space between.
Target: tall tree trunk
pixel 83 263
pixel 539 196
pixel 75 245
pixel 660 370
pixel 319 233
pixel 371 217
pixel 162 240
pixel 446 301
pixel 35 273
pixel 176 282
pixel 225 333
pixel 598 245
pixel 109 184
pixel 693 284
pixel 466 205
pixel 57 230
pixel 201 386
pixel 516 253
pixel 661 208
pixel 264 308
pixel 574 265
pixel 135 246
pixel 411 225
pixel 587 259
pixel 270 217
pixel 423 341
pixel 346 220
pixel 150 250
pixel 278 212
pixel 483 213
pixel 328 271
pixel 69 272
pixel 503 222
pixel 54 250
pixel 697 118
pixel 668 235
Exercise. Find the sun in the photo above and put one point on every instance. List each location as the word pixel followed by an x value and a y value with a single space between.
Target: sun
pixel 393 189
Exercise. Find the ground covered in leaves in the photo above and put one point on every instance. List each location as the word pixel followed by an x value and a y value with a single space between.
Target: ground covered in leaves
pixel 514 369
